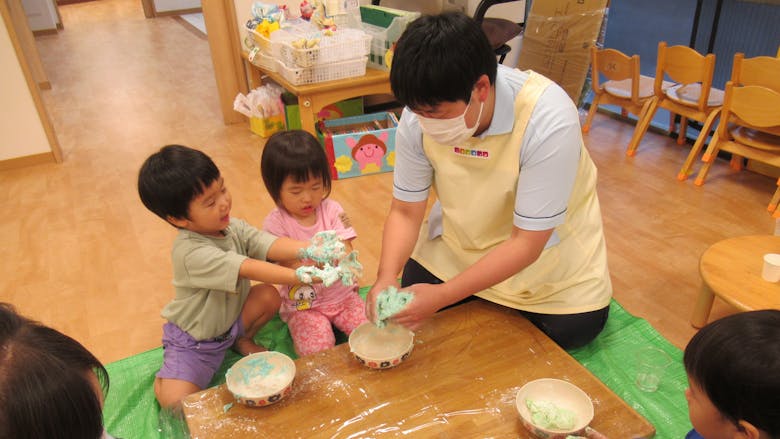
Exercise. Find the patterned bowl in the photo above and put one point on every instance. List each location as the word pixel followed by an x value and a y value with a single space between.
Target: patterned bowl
pixel 261 379
pixel 562 401
pixel 381 348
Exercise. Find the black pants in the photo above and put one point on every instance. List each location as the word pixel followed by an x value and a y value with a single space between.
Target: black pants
pixel 568 330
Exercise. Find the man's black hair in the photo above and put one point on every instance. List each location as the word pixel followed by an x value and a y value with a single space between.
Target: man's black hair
pixel 439 58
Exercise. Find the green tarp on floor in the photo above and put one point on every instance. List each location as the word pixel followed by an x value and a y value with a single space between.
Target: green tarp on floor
pixel 131 411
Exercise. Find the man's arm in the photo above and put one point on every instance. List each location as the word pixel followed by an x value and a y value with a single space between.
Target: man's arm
pixel 508 258
pixel 401 229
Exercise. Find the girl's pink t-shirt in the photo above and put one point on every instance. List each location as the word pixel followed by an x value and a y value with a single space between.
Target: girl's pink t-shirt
pixel 330 216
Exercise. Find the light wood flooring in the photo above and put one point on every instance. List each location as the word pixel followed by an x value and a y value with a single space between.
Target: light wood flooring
pixel 82 254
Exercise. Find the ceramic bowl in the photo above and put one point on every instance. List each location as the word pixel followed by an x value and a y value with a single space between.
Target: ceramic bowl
pixel 563 395
pixel 381 348
pixel 261 379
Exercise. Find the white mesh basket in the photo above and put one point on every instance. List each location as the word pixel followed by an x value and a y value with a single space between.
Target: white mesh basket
pixel 344 44
pixel 322 72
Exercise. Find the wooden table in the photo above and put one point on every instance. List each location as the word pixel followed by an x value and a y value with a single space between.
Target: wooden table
pixel 312 97
pixel 460 382
pixel 731 270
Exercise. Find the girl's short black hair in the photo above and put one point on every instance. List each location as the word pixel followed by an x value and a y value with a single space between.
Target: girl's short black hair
pixel 439 58
pixel 45 391
pixel 294 153
pixel 172 177
pixel 736 362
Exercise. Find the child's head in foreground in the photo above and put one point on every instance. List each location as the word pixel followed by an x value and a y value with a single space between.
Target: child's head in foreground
pixel 733 367
pixel 296 172
pixel 50 385
pixel 183 186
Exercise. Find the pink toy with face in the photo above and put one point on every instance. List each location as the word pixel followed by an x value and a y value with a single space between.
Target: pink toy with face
pixel 369 149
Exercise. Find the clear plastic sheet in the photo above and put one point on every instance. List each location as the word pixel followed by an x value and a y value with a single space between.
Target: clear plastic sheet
pixel 460 381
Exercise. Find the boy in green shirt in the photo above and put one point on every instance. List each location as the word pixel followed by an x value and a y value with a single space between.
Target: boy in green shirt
pixel 214 259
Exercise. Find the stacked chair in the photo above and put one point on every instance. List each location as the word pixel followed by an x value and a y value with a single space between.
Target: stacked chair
pixel 750 118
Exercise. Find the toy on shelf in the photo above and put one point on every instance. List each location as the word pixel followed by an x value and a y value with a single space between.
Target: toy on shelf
pixel 307 10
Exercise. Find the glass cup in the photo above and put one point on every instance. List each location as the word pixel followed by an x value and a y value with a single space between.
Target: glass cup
pixel 651 363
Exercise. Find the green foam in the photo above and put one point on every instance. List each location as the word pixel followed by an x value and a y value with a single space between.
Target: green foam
pixel 390 302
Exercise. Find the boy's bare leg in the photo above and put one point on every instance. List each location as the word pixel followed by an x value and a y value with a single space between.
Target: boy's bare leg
pixel 260 307
pixel 170 392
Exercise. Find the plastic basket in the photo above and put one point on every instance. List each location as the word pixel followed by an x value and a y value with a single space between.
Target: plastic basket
pixel 322 72
pixel 383 38
pixel 263 60
pixel 343 45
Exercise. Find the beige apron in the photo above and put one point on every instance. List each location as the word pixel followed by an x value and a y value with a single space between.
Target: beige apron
pixel 476 185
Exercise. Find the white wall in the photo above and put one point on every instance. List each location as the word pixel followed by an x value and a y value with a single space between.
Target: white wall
pixel 41 14
pixel 20 125
pixel 175 5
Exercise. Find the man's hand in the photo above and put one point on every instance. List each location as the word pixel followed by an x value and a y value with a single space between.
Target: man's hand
pixel 427 300
pixel 378 287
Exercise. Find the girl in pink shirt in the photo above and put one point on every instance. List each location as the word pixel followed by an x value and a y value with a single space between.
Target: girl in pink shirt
pixel 296 174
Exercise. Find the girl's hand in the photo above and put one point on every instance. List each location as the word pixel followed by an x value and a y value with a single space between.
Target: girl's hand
pixel 426 302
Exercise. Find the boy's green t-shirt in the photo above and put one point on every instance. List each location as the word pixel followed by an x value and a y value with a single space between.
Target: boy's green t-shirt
pixel 209 291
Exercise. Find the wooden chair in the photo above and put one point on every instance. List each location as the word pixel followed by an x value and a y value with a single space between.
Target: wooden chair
pixel 624 87
pixel 760 70
pixel 754 111
pixel 774 203
pixel 692 96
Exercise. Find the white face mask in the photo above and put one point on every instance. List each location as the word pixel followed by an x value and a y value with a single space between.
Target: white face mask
pixel 450 131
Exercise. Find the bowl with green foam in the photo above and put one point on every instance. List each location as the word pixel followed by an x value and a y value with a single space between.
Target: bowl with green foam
pixel 553 409
pixel 261 379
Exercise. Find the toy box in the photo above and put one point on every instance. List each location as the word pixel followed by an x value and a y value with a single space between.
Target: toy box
pixel 292 114
pixel 359 145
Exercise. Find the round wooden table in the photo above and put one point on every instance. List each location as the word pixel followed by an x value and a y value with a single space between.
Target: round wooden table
pixel 731 270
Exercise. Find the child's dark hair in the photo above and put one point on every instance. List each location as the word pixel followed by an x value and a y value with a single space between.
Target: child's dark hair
pixel 296 154
pixel 735 361
pixel 172 177
pixel 439 58
pixel 45 391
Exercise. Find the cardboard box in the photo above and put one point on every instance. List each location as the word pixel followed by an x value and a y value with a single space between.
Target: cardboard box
pixel 359 145
pixel 265 126
pixel 292 114
pixel 557 39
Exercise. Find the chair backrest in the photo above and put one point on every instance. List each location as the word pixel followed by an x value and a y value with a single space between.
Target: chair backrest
pixel 615 66
pixel 498 30
pixel 753 106
pixel 760 70
pixel 683 65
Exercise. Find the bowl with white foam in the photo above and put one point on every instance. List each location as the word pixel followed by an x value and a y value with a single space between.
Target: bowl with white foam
pixel 381 348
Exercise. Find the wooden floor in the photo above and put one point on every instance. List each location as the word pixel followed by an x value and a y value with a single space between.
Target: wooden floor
pixel 82 254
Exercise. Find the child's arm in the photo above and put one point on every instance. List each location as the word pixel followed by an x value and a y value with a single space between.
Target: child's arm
pixel 271 273
pixel 285 251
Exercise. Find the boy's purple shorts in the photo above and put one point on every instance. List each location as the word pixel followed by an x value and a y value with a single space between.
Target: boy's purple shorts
pixel 187 359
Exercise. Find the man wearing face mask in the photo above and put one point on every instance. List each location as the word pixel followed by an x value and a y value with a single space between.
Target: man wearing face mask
pixel 517 219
